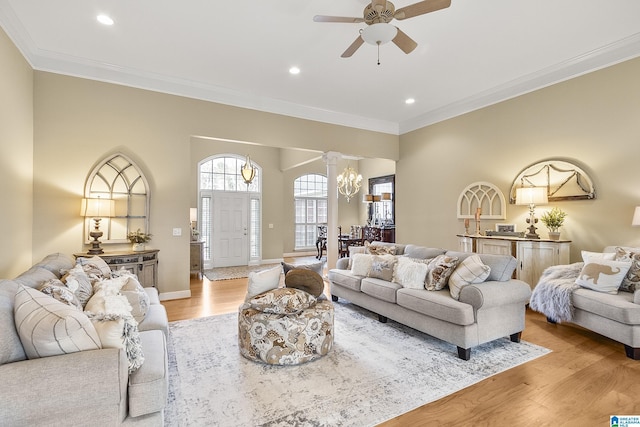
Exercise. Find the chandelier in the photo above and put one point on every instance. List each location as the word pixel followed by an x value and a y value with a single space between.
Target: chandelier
pixel 349 182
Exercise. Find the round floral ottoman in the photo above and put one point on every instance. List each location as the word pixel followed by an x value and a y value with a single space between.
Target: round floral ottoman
pixel 285 326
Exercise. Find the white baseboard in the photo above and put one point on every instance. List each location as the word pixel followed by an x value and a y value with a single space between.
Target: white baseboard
pixel 272 261
pixel 164 296
pixel 295 254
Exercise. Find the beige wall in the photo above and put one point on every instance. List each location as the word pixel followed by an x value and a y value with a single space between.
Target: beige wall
pixel 593 120
pixel 80 121
pixel 16 160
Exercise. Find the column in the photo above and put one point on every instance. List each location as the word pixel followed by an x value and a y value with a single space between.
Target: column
pixel 331 159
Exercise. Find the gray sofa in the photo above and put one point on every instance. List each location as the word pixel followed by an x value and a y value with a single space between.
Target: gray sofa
pixel 484 312
pixel 614 316
pixel 85 387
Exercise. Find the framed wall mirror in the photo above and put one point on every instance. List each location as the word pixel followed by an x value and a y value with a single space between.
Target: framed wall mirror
pixel 382 206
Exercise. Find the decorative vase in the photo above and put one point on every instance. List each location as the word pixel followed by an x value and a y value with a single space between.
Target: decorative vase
pixel 554 235
pixel 138 247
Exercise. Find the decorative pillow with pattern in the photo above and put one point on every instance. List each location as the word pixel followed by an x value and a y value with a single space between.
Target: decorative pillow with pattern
pixel 79 283
pixel 382 267
pixel 262 281
pixel 95 265
pixel 470 271
pixel 440 268
pixel 283 301
pixel 48 327
pixel 374 249
pixel 586 255
pixel 59 291
pixel 603 275
pixel 361 264
pixel 315 266
pixel 137 297
pixel 410 272
pixel 631 281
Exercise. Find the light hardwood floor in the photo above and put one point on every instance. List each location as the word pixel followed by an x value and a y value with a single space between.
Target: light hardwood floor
pixel 582 382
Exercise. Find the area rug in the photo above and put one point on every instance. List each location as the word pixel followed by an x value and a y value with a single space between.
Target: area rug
pixel 374 372
pixel 238 272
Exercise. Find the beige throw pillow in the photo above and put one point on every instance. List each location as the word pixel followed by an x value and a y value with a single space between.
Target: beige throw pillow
pixel 262 281
pixel 382 267
pixel 603 275
pixel 470 271
pixel 48 327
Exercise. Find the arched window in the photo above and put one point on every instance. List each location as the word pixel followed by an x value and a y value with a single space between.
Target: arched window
pixel 310 199
pixel 238 227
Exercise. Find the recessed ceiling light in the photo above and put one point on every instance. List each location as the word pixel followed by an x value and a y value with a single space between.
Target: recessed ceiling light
pixel 409 101
pixel 104 19
pixel 294 70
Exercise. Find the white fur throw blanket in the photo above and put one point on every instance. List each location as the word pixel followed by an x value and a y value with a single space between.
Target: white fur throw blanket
pixel 552 294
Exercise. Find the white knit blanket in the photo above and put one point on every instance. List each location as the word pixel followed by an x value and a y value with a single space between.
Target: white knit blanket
pixel 552 294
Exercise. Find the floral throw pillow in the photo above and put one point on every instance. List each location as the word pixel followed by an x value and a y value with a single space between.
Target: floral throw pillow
pixel 282 301
pixel 440 268
pixel 631 281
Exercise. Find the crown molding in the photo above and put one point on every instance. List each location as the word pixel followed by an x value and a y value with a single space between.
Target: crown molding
pixel 614 53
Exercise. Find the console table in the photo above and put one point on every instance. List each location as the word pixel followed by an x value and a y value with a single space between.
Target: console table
pixel 196 256
pixel 533 255
pixel 143 264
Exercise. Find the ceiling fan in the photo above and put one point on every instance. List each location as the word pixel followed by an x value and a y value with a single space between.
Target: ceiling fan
pixel 377 15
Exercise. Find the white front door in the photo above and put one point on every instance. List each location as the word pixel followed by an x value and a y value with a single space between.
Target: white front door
pixel 230 229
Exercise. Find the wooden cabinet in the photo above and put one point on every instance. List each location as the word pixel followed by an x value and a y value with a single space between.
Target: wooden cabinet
pixel 143 264
pixel 379 234
pixel 533 255
pixel 197 258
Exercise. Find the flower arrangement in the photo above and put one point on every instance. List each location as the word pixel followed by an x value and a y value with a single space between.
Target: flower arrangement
pixel 138 236
pixel 553 219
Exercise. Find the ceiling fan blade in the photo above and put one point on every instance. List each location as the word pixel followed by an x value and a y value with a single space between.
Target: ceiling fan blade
pixel 404 42
pixel 323 18
pixel 421 8
pixel 352 49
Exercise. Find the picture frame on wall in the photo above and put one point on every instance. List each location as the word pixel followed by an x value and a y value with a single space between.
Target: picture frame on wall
pixel 506 228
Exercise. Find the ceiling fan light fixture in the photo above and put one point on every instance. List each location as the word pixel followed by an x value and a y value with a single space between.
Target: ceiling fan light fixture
pixel 380 33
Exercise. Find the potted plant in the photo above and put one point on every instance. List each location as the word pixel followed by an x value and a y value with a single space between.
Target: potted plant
pixel 553 220
pixel 138 239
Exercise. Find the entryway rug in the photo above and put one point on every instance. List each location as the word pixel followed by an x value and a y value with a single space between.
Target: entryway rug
pixel 374 372
pixel 238 272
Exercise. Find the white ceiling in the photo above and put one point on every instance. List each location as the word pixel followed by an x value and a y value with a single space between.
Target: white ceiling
pixel 238 52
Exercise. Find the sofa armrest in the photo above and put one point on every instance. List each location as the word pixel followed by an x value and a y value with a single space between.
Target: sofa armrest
pixel 69 389
pixel 494 294
pixel 342 263
pixel 636 296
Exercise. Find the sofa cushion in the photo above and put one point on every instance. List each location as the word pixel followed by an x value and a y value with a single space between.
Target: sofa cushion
pixel 620 307
pixel 79 283
pixel 440 268
pixel 380 289
pixel 361 264
pixel 56 263
pixel 421 252
pixel 502 266
pixel 59 291
pixel 137 297
pixel 95 266
pixel 156 319
pixel 345 278
pixel 410 273
pixel 10 346
pixel 438 304
pixel 305 280
pixel 603 275
pixel 49 328
pixel 470 271
pixel 35 276
pixel 148 386
pixel 586 255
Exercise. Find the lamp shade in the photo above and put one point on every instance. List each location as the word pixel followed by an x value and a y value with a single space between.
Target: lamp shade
pixel 367 198
pixel 379 33
pixel 531 196
pixel 97 208
pixel 386 196
pixel 636 217
pixel 193 214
